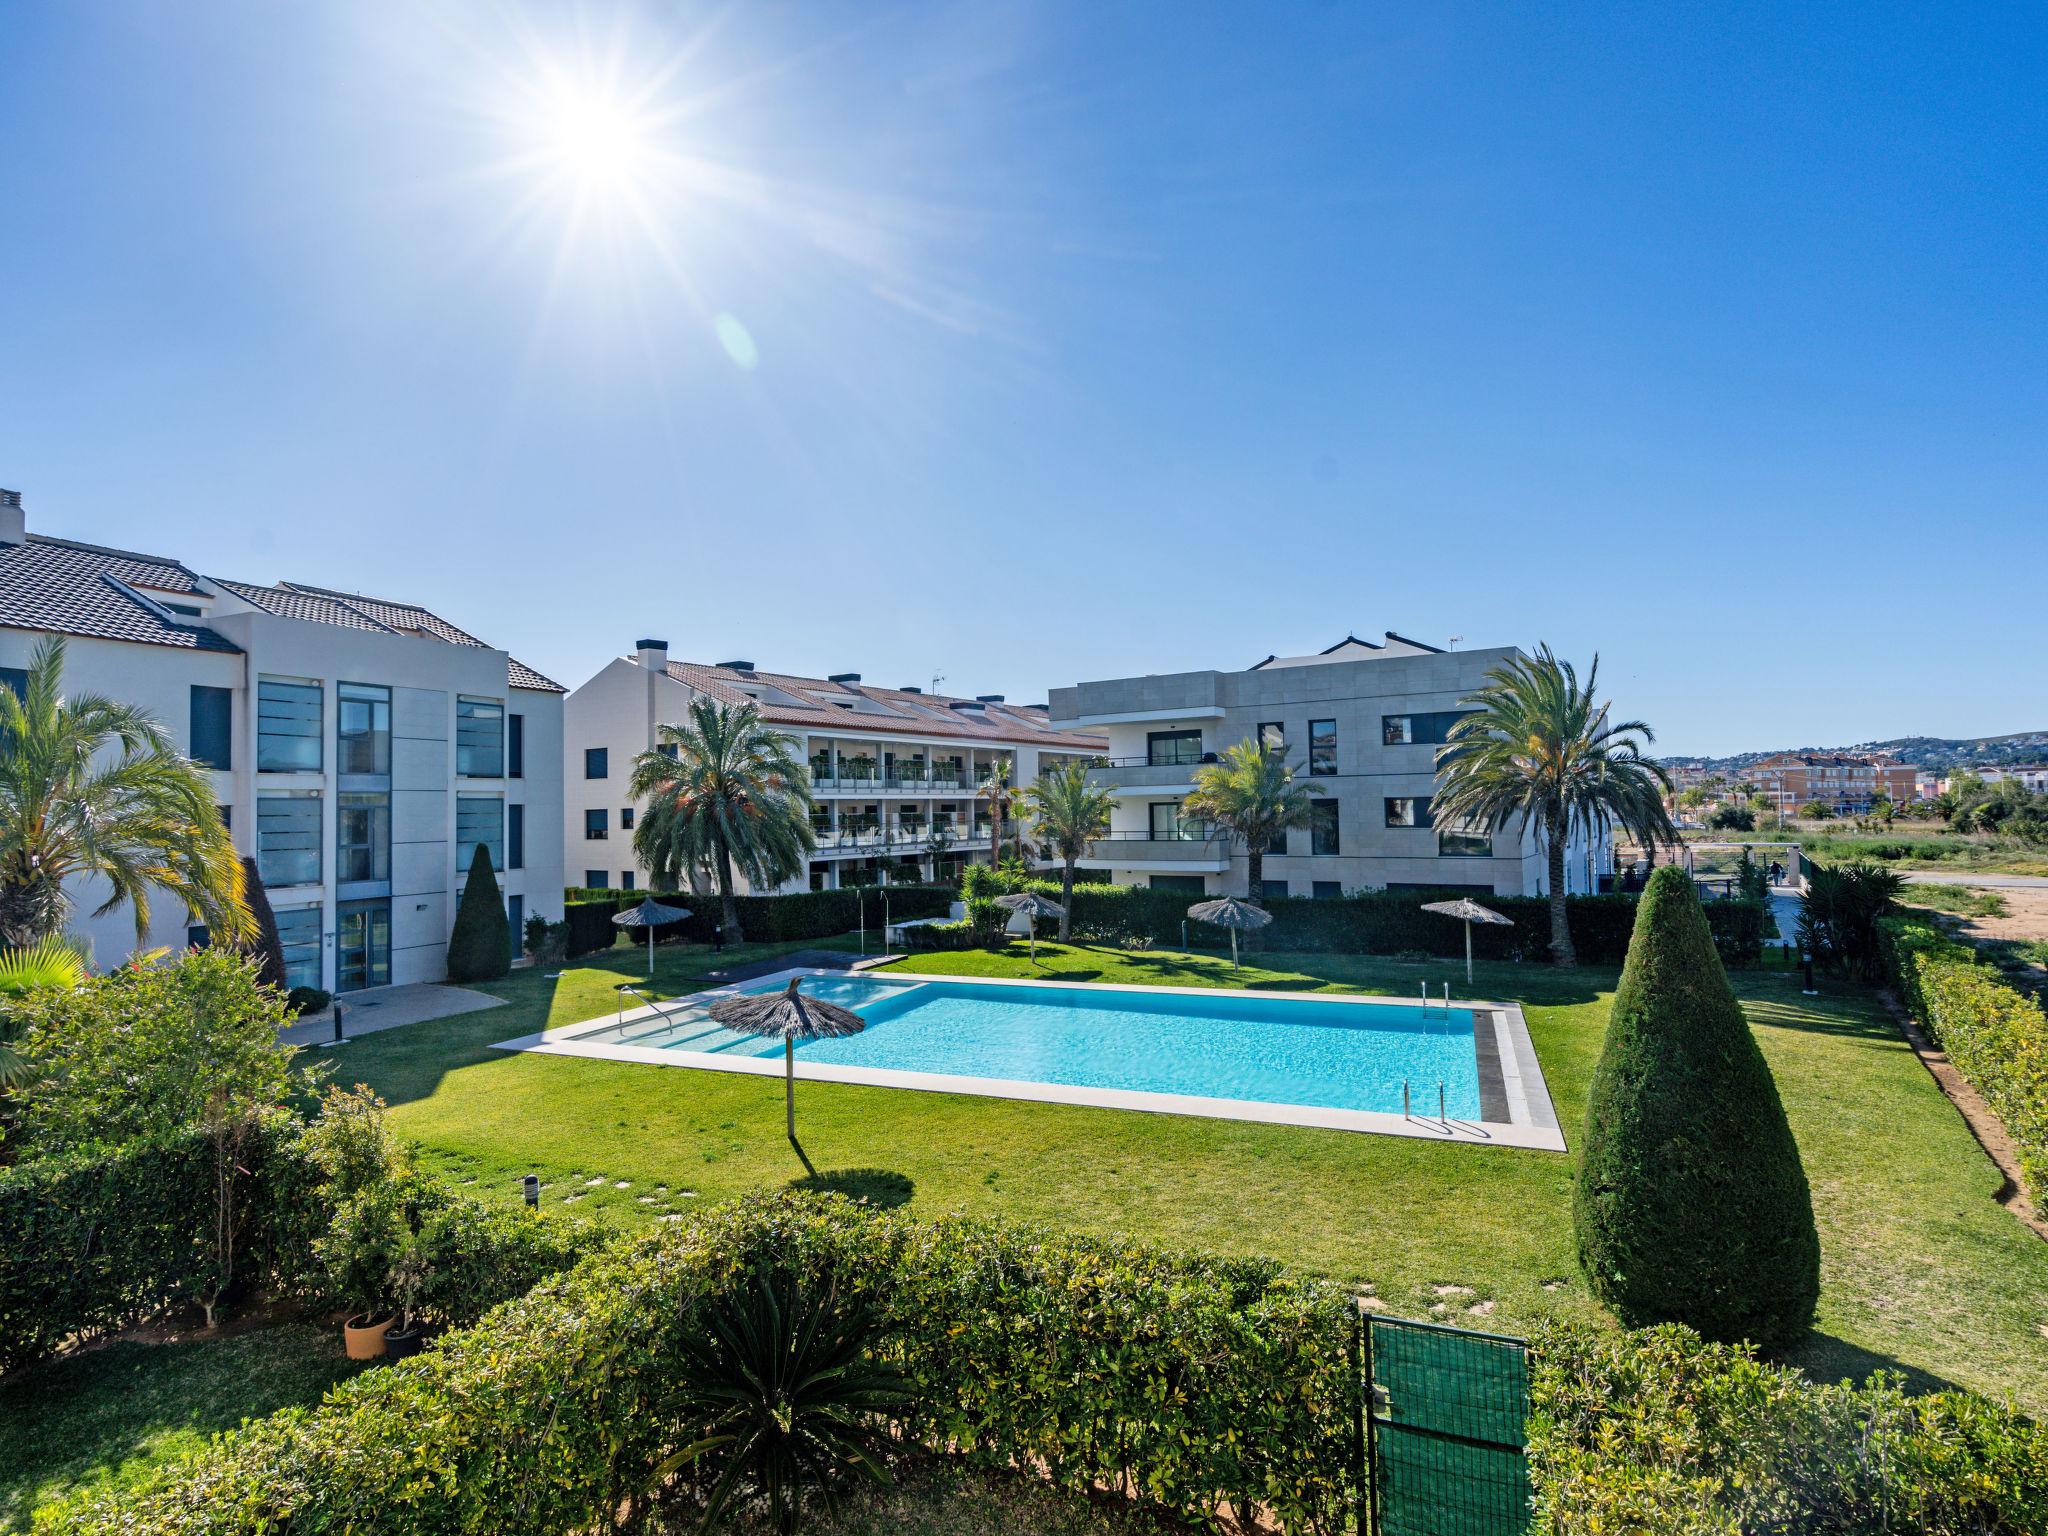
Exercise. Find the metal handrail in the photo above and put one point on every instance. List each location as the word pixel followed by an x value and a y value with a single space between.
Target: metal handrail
pixel 1175 760
pixel 660 1008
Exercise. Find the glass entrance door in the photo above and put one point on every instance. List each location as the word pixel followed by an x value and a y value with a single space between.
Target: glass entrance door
pixel 362 945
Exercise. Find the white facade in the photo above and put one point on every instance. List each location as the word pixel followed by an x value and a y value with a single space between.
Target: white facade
pixel 893 770
pixel 361 840
pixel 1361 724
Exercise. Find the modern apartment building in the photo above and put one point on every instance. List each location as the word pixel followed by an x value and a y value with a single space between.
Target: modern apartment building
pixel 1361 722
pixel 893 769
pixel 360 747
pixel 2029 776
pixel 1844 782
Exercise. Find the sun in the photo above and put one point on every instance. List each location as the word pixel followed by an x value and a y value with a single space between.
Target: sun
pixel 593 137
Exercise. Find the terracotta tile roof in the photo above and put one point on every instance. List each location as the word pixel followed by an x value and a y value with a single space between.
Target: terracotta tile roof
pixel 806 702
pixel 288 603
pixel 66 588
pixel 519 675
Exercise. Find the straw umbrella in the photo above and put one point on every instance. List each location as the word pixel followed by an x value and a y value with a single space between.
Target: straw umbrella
pixel 1464 907
pixel 650 914
pixel 1033 906
pixel 1234 913
pixel 788 1016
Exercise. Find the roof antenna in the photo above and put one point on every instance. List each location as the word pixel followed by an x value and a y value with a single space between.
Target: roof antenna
pixel 937 678
pixel 1454 641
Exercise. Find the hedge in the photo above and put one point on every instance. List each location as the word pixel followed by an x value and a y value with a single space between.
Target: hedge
pixel 764 919
pixel 1996 1036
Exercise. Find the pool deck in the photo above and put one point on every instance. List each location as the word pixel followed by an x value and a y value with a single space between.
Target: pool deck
pixel 1515 1105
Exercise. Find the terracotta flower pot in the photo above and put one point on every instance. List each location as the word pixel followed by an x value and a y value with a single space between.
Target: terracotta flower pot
pixel 363 1335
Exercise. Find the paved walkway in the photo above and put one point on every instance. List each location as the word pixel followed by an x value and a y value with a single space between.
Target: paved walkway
pixel 388 1008
pixel 1996 882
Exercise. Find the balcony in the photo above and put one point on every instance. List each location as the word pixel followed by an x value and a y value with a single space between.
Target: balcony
pixel 901 782
pixel 865 839
pixel 1170 774
pixel 1187 850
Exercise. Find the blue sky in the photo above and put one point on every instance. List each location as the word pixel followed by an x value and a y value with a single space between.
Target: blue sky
pixel 1029 343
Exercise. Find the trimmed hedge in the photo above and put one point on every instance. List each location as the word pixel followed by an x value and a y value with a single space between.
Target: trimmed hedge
pixel 1996 1036
pixel 765 919
pixel 1184 1383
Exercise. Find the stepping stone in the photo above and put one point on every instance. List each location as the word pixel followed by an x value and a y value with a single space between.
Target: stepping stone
pixel 593 1183
pixel 1481 1310
pixel 623 1184
pixel 1453 1290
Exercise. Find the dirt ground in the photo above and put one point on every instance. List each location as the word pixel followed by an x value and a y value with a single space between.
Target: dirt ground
pixel 2026 916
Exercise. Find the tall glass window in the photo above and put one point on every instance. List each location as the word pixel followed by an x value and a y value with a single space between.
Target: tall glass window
pixel 1464 845
pixel 515 837
pixel 515 746
pixel 479 739
pixel 213 739
pixel 288 726
pixel 299 930
pixel 1323 828
pixel 478 819
pixel 1432 729
pixel 1322 747
pixel 288 839
pixel 362 837
pixel 1407 810
pixel 362 729
pixel 1173 748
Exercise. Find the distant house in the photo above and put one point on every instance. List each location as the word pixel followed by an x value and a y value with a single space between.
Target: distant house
pixel 1845 782
pixel 2031 776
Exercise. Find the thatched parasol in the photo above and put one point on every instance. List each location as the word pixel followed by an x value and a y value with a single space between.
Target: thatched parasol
pixel 1234 913
pixel 788 1016
pixel 1470 910
pixel 1031 907
pixel 650 914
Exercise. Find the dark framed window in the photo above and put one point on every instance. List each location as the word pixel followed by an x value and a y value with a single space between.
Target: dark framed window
pixel 288 726
pixel 596 824
pixel 198 936
pixel 1273 890
pixel 1164 820
pixel 1464 845
pixel 1323 828
pixel 515 919
pixel 478 819
pixel 298 932
pixel 213 736
pixel 597 880
pixel 15 678
pixel 1165 749
pixel 362 729
pixel 479 739
pixel 626 879
pixel 1407 810
pixel 1192 885
pixel 1272 735
pixel 1322 747
pixel 515 837
pixel 1327 890
pixel 362 836
pixel 1428 729
pixel 597 762
pixel 625 818
pixel 1277 843
pixel 667 749
pixel 288 839
pixel 515 746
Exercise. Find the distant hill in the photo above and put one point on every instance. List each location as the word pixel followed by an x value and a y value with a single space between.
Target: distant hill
pixel 1938 753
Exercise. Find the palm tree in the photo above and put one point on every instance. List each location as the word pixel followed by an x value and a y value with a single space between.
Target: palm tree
pixel 1067 813
pixel 1539 749
pixel 728 791
pixel 996 788
pixel 49 965
pixel 91 787
pixel 1251 793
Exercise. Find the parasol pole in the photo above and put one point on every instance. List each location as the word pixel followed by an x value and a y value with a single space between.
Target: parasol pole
pixel 1233 949
pixel 1468 951
pixel 789 1103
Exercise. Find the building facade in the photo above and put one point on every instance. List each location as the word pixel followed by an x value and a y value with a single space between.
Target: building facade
pixel 360 748
pixel 1845 782
pixel 1360 722
pixel 893 770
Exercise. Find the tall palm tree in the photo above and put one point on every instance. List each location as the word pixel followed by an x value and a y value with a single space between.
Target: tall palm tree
pixel 1539 750
pixel 998 790
pixel 729 792
pixel 93 788
pixel 51 965
pixel 1252 794
pixel 1067 813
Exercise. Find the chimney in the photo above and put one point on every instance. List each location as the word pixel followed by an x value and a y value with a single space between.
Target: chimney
pixel 845 679
pixel 988 698
pixel 737 666
pixel 13 521
pixel 652 654
pixel 906 688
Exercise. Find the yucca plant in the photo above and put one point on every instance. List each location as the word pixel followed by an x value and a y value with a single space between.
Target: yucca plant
pixel 780 1382
pixel 40 967
pixel 1838 916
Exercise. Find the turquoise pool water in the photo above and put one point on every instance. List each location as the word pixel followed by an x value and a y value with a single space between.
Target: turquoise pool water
pixel 1225 1045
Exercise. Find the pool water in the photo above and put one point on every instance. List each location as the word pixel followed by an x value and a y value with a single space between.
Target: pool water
pixel 1227 1045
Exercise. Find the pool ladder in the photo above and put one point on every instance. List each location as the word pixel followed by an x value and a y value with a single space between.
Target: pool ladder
pixel 660 1010
pixel 1446 1001
pixel 1442 1111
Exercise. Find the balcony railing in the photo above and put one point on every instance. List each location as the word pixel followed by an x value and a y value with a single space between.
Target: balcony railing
pixel 858 783
pixel 1188 834
pixel 1178 845
pixel 1186 758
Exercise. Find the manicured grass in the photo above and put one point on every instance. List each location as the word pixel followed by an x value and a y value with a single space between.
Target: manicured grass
pixel 1921 1269
pixel 111 1415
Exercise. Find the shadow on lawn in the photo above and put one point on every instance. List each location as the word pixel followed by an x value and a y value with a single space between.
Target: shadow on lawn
pixel 883 1187
pixel 1828 1359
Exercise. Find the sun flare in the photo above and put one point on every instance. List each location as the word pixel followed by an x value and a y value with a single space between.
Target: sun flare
pixel 593 138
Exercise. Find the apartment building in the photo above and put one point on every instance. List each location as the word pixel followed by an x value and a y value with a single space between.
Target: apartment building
pixel 1844 782
pixel 1360 721
pixel 2029 776
pixel 360 747
pixel 893 770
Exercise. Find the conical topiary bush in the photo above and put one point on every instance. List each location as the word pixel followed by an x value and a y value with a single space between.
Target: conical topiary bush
pixel 480 949
pixel 1691 1205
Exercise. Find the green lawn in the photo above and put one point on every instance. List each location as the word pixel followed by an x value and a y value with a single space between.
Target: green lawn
pixel 1922 1269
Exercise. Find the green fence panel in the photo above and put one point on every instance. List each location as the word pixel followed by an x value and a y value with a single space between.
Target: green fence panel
pixel 1449 1427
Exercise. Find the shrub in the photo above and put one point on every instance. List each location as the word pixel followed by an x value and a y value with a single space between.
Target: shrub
pixel 1691 1204
pixel 1731 818
pixel 480 948
pixel 302 1000
pixel 1839 913
pixel 1996 1036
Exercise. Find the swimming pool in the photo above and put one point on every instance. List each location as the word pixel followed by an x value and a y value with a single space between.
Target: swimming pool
pixel 1357 1063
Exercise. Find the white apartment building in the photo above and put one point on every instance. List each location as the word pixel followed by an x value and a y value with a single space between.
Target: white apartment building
pixel 360 747
pixel 1361 722
pixel 893 770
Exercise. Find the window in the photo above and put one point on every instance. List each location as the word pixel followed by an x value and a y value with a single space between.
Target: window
pixel 362 836
pixel 1191 885
pixel 227 815
pixel 1277 843
pixel 515 746
pixel 515 918
pixel 625 818
pixel 478 819
pixel 1322 747
pixel 17 679
pixel 594 824
pixel 288 839
pixel 1328 890
pixel 1164 821
pixel 667 749
pixel 1272 736
pixel 1432 729
pixel 287 726
pixel 298 932
pixel 1273 890
pixel 1464 845
pixel 515 837
pixel 362 729
pixel 1408 810
pixel 212 727
pixel 479 739
pixel 596 880
pixel 198 936
pixel 1323 826
pixel 625 879
pixel 597 761
pixel 1164 749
